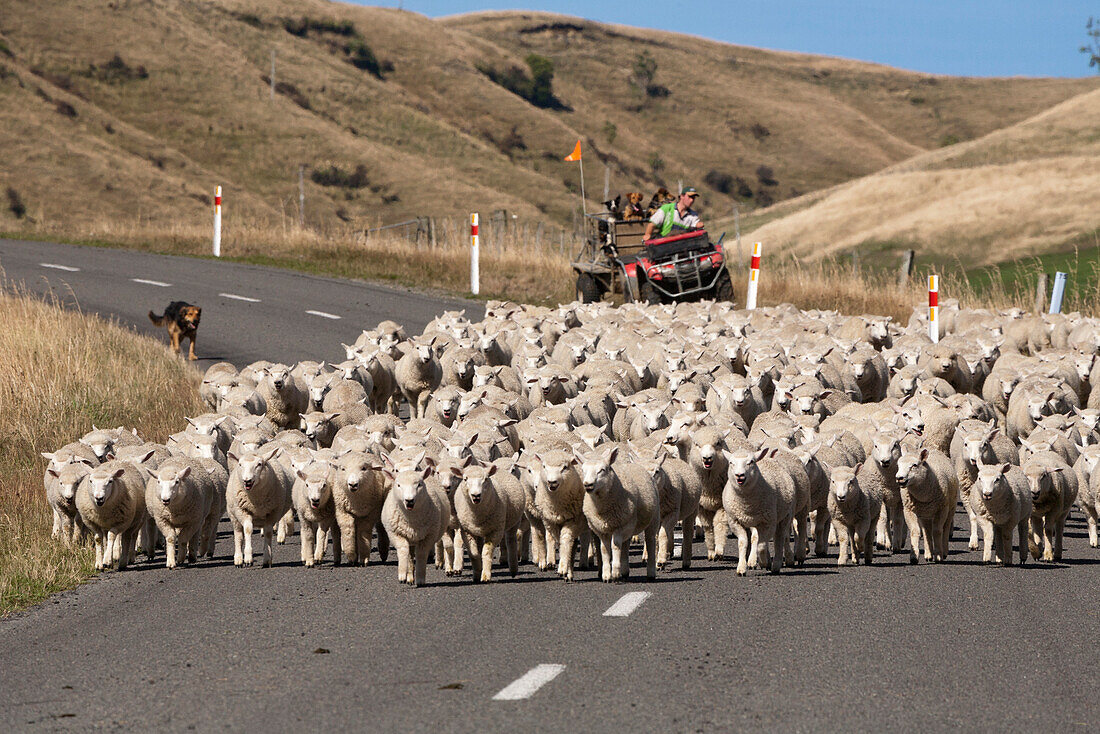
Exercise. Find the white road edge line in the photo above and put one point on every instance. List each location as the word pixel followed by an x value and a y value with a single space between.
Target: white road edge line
pixel 151 282
pixel 235 297
pixel 526 685
pixel 66 268
pixel 625 606
pixel 324 315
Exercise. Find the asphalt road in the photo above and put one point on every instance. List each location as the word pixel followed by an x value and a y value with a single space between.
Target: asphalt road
pixel 891 646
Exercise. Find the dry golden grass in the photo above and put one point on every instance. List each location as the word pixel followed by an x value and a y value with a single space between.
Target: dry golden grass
pixel 430 133
pixel 60 372
pixel 1028 189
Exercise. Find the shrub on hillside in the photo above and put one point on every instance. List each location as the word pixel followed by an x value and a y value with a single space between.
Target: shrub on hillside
pixel 64 108
pixel 721 182
pixel 289 91
pixel 766 176
pixel 15 203
pixel 301 27
pixel 538 88
pixel 116 71
pixel 333 175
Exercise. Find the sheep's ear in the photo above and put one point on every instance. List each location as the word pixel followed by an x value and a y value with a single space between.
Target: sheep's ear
pixel 492 470
pixel 146 456
pixel 388 471
pixel 53 472
pixel 191 422
pixel 47 457
pixel 1005 468
pixel 858 467
pixel 231 455
pixel 761 454
pixel 1058 468
pixel 457 471
pixel 923 454
pixel 120 471
pixel 612 454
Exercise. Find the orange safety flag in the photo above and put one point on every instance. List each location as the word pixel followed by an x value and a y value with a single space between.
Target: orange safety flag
pixel 576 154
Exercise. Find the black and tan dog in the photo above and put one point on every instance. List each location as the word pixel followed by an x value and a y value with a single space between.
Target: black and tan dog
pixel 663 196
pixel 182 320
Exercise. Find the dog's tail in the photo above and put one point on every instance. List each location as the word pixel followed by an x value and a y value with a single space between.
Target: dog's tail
pixel 158 320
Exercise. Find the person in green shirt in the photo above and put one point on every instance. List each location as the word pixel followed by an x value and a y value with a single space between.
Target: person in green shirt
pixel 675 217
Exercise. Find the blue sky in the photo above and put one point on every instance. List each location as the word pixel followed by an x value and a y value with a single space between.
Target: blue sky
pixel 967 37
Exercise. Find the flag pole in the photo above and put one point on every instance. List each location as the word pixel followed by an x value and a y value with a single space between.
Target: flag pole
pixel 583 209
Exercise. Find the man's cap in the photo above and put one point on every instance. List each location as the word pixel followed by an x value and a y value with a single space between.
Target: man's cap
pixel 689 190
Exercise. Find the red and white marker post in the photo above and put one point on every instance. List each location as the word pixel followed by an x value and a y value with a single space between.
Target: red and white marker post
pixel 218 222
pixel 934 308
pixel 475 255
pixel 754 277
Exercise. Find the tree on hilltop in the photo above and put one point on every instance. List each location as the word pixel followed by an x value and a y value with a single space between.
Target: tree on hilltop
pixel 1092 48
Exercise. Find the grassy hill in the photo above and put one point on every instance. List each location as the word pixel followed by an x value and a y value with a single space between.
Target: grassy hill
pixel 133 110
pixel 1017 192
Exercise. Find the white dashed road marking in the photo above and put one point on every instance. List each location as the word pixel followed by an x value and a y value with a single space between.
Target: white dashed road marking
pixel 625 607
pixel 526 685
pixel 151 282
pixel 66 268
pixel 235 297
pixel 323 315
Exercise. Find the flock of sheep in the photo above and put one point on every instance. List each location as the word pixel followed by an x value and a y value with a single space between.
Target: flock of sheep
pixel 559 436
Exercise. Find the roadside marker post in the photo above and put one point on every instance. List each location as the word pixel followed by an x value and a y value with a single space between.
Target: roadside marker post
pixel 1059 291
pixel 475 255
pixel 754 277
pixel 934 308
pixel 218 222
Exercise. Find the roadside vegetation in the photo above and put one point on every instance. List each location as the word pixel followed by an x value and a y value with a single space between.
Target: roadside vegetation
pixel 62 371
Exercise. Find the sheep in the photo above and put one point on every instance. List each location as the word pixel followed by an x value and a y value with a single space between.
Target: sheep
pixel 929 492
pixel 1088 498
pixel 757 501
pixel 1001 500
pixel 111 502
pixel 61 492
pixel 443 405
pixel 342 394
pixel 415 515
pixel 449 553
pixel 704 451
pixel 358 491
pixel 489 504
pixel 257 495
pixel 457 364
pixel 678 488
pixel 417 374
pixel 1053 486
pixel 320 428
pixel 313 498
pixel 978 443
pixel 285 400
pixel 854 509
pixel 103 440
pixel 559 502
pixel 215 375
pixel 178 496
pixel 620 501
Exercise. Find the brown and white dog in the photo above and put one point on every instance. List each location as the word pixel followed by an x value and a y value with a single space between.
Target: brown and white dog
pixel 633 210
pixel 182 321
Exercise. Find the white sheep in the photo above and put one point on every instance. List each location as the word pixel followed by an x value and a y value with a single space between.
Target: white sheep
pixel 620 502
pixel 178 496
pixel 359 490
pixel 757 502
pixel 111 501
pixel 415 515
pixel 312 495
pixel 1053 485
pixel 854 509
pixel 257 496
pixel 559 499
pixel 929 492
pixel 67 466
pixel 1001 500
pixel 679 488
pixel 489 505
pixel 417 374
pixel 285 400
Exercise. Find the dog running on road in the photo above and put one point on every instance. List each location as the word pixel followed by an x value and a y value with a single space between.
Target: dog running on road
pixel 182 320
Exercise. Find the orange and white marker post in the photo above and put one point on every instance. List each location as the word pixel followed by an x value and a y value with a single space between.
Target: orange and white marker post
pixel 475 255
pixel 218 222
pixel 754 277
pixel 934 308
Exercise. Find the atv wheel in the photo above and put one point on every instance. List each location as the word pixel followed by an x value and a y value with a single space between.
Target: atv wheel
pixel 588 290
pixel 723 289
pixel 648 294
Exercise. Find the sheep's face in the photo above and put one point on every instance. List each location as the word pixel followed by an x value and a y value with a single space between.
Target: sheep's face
pixel 424 353
pixel 1038 406
pixel 907 384
pixel 318 389
pixel 484 375
pixel 102 482
pixel 464 368
pixel 409 487
pixel 842 483
pixel 1089 418
pixel 68 478
pixel 356 472
pixel 252 466
pixel 558 468
pixel 742 467
pixel 592 435
pixel 1008 384
pixel 168 481
pixel 487 343
pixel 913 420
pixel 594 469
pixel 449 474
pixel 806 404
pixel 740 393
pixel 708 445
pixel 315 424
pixel 279 376
pixel 859 369
pixel 653 418
pixel 886 450
pixel 102 446
pixel 877 330
pixel 1039 481
pixel 978 447
pixel 1091 457
pixel 204 446
pixel 911 467
pixel 1083 363
pixel 991 480
pixel 449 405
pixel 467 403
pixel 475 482
pixel 318 489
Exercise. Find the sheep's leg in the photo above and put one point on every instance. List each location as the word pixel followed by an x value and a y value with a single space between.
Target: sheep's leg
pixel 842 535
pixel 384 542
pixel 882 535
pixel 473 546
pixel 525 542
pixel 1049 529
pixel 987 540
pixel 706 521
pixel 322 543
pixel 538 544
pixel 127 541
pixel 1035 538
pixel 914 535
pixel 445 553
pixel 170 540
pixel 834 537
pixel 58 523
pixel 856 535
pixel 742 548
pixel 757 555
pixel 821 533
pixel 1059 532
pixel 551 544
pixel 348 534
pixel 309 535
pixel 110 555
pixel 285 527
pixel 246 528
pixel 402 547
pixel 487 547
pixel 802 536
pixel 460 556
pixel 781 535
pixel 973 543
pixel 193 544
pixel 721 530
pixel 568 546
pixel 1022 530
pixel 422 550
pixel 422 404
pixel 363 530
pixel 948 526
pixel 869 544
pixel 605 558
pixel 929 532
pixel 1091 518
pixel 99 547
pixel 268 532
pixel 238 544
pixel 617 542
pixel 511 550
pixel 664 540
pixel 651 548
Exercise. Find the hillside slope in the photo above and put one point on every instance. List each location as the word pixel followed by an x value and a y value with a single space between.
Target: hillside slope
pixel 129 111
pixel 1029 188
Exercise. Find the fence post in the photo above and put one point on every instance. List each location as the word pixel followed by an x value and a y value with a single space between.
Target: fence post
pixel 431 232
pixel 754 277
pixel 934 308
pixel 218 222
pixel 906 268
pixel 1058 292
pixel 475 255
pixel 1041 293
pixel 538 234
pixel 301 196
pixel 855 263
